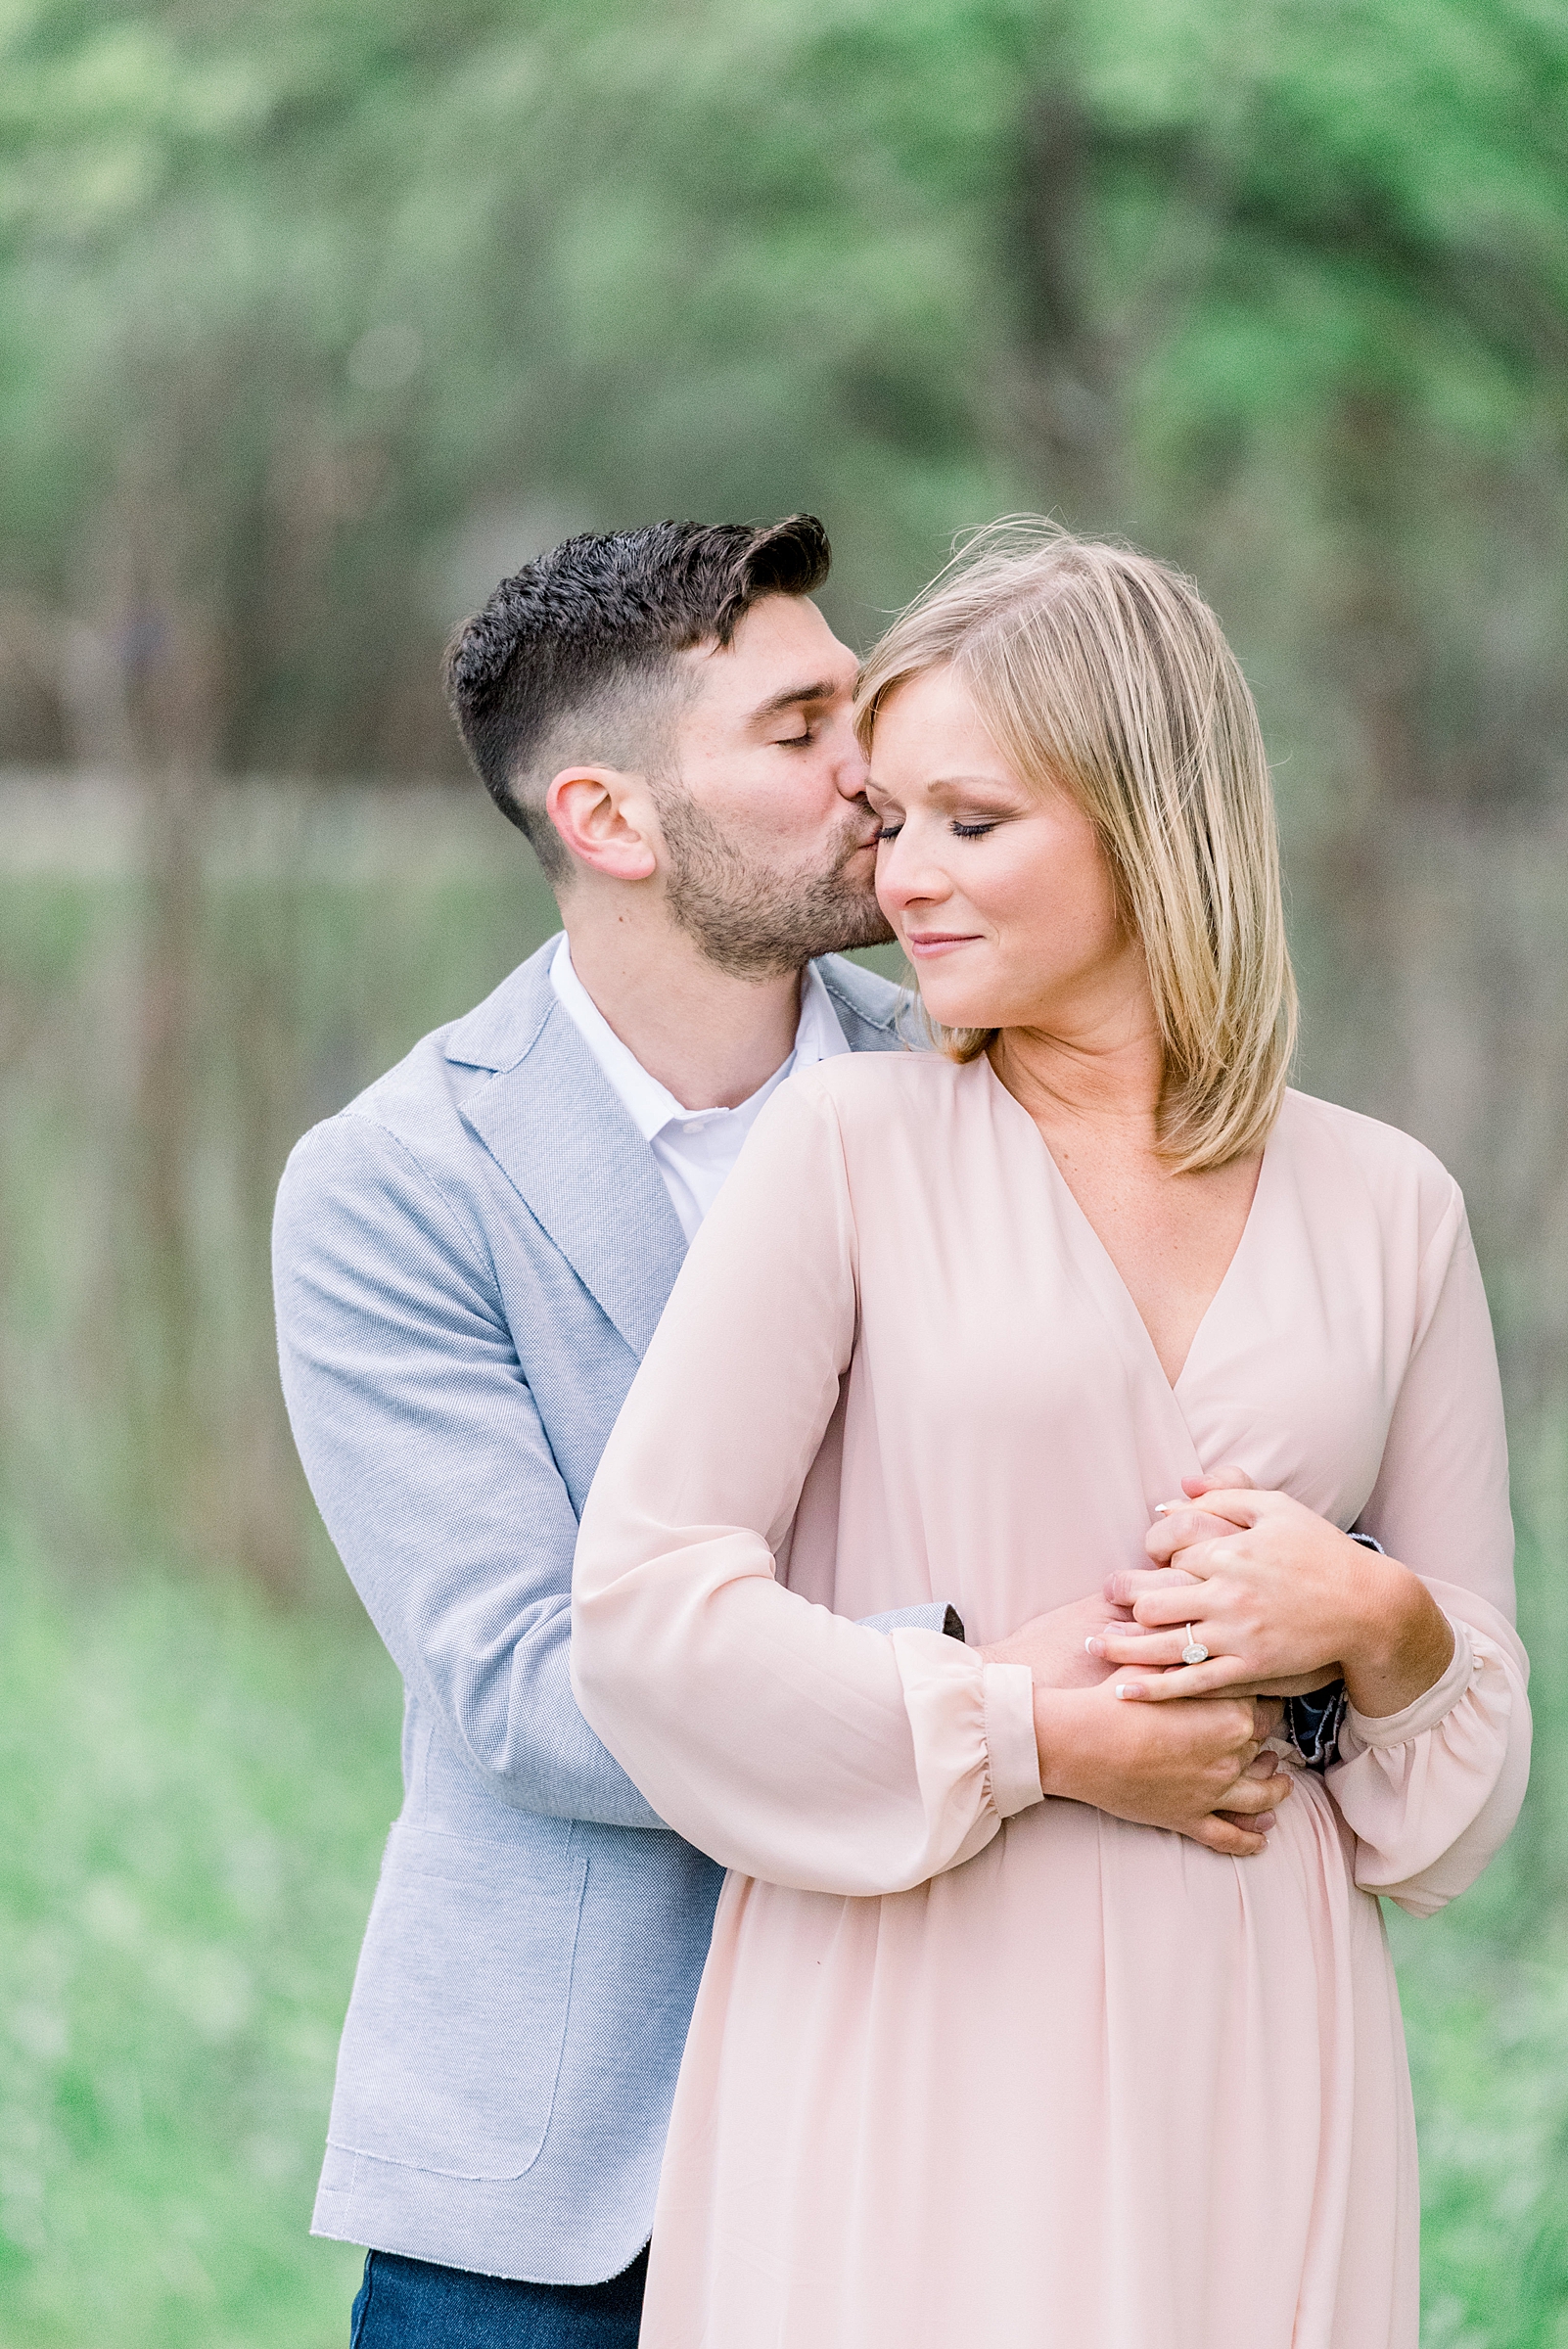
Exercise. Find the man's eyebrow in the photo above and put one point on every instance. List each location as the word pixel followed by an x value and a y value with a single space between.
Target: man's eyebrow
pixel 823 690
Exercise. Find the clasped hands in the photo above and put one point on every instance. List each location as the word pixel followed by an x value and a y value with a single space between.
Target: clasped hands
pixel 1283 1601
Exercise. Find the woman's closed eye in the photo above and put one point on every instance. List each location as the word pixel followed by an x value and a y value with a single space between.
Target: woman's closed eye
pixel 890 831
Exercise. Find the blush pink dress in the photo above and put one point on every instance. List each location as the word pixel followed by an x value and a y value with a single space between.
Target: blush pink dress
pixel 970 2069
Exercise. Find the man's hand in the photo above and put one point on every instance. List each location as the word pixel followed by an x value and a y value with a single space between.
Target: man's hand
pixel 1056 1646
pixel 1206 1775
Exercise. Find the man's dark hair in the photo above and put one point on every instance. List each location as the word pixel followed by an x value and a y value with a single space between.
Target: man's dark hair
pixel 574 657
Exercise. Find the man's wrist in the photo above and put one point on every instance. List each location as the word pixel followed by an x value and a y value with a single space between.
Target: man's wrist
pixel 1053 1736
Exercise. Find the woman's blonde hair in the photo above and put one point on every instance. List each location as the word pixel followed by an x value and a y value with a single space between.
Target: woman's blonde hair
pixel 1105 673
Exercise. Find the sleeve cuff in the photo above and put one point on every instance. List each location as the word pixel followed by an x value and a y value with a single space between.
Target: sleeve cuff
pixel 1363 1729
pixel 1010 1740
pixel 937 1614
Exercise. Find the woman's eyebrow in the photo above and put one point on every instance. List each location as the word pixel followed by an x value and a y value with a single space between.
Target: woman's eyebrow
pixel 952 787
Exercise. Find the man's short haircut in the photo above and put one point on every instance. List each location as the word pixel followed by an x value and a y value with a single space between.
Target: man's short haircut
pixel 574 657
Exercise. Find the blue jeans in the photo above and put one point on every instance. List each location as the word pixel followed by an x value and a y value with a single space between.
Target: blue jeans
pixel 407 2304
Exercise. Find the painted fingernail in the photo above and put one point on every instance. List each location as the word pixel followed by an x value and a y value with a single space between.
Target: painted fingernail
pixel 1129 1688
pixel 1094 1647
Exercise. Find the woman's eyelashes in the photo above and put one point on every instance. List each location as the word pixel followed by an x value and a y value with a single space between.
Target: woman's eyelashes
pixel 957 828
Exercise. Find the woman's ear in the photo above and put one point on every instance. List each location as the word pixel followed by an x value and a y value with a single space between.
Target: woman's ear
pixel 606 820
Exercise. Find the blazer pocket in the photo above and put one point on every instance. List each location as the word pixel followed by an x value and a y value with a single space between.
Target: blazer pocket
pixel 453 2037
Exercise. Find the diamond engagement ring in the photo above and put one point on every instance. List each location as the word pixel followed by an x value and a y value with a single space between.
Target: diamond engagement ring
pixel 1194 1652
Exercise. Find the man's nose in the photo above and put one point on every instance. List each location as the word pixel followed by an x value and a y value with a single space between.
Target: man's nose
pixel 852 771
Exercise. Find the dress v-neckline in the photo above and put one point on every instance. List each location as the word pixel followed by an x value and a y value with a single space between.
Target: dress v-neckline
pixel 1111 1282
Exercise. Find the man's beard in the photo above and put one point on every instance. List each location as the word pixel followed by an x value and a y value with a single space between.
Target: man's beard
pixel 749 918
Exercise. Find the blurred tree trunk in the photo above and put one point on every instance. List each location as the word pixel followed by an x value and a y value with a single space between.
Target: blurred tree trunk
pixel 1061 414
pixel 1373 649
pixel 170 703
pixel 265 1487
pixel 1381 653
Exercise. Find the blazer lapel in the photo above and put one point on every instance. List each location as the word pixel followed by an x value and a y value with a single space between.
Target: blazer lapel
pixel 561 1135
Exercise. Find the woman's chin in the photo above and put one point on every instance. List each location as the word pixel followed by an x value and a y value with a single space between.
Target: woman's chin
pixel 955 1007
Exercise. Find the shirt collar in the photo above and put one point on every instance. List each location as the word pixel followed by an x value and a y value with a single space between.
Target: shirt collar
pixel 819 1035
pixel 651 1105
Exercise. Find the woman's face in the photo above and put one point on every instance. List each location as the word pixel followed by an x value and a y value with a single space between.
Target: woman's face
pixel 999 893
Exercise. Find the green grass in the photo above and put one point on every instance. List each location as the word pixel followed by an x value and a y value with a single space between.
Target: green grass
pixel 196 1790
pixel 1487 2029
pixel 196 1796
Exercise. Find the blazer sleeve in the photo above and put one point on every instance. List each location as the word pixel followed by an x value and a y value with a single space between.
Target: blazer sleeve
pixel 779 1737
pixel 425 1452
pixel 1431 1793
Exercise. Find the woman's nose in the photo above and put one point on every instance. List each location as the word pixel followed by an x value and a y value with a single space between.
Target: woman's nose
pixel 905 877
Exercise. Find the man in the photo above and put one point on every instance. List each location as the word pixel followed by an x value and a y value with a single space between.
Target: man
pixel 471 1260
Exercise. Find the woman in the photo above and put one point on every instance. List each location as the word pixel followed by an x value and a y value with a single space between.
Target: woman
pixel 977 2061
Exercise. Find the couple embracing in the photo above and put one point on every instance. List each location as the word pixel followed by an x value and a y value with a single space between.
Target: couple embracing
pixel 1049 1546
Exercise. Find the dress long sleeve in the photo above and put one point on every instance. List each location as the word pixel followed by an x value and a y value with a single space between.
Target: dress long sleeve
pixel 785 1740
pixel 1432 1792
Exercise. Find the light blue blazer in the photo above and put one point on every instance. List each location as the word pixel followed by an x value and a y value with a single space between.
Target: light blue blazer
pixel 470 1261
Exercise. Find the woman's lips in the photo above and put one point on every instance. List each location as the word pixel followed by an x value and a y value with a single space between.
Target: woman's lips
pixel 931 942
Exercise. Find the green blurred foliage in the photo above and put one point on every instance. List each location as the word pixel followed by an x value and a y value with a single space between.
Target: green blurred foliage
pixel 315 319
pixel 290 293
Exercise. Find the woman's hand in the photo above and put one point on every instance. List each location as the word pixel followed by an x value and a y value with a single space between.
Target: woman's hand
pixel 1183 1524
pixel 1282 1600
pixel 1196 1768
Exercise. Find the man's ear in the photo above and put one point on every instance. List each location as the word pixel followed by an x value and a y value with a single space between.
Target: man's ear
pixel 606 819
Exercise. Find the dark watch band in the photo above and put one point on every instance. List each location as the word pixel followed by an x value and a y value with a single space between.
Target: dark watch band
pixel 1312 1722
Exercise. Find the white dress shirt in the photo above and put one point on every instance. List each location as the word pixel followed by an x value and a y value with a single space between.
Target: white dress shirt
pixel 694 1149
